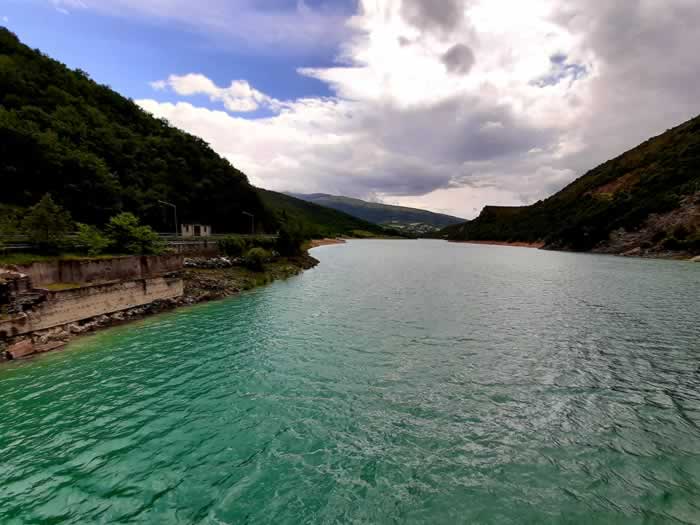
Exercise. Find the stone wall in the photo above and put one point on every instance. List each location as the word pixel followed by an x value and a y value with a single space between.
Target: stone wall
pixel 83 271
pixel 196 248
pixel 69 306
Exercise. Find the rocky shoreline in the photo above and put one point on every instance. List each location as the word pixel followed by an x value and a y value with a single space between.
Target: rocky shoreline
pixel 205 280
pixel 633 252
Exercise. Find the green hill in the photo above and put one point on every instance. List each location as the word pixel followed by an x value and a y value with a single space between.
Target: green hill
pixel 98 153
pixel 314 220
pixel 409 220
pixel 647 200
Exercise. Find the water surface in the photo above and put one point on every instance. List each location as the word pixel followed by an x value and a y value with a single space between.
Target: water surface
pixel 398 382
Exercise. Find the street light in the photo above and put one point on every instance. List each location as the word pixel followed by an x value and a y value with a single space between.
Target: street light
pixel 174 212
pixel 252 221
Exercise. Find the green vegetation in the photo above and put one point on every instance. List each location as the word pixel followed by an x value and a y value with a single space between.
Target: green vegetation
pixel 654 178
pixel 21 258
pixel 289 243
pixel 126 235
pixel 232 246
pixel 47 225
pixel 255 259
pixel 409 220
pixel 313 221
pixel 236 246
pixel 98 154
pixel 49 228
pixel 91 239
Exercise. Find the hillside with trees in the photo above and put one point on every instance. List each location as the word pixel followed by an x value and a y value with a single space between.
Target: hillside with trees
pixel 644 201
pixel 99 154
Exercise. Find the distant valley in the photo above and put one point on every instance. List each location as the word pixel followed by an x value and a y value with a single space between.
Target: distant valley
pixel 411 221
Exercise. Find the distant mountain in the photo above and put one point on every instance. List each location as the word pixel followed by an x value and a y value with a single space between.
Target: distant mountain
pixel 316 220
pixel 409 220
pixel 644 201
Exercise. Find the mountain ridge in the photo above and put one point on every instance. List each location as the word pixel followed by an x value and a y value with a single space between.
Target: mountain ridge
pixel 646 201
pixel 402 218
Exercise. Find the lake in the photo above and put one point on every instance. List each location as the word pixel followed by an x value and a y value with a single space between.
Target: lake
pixel 397 382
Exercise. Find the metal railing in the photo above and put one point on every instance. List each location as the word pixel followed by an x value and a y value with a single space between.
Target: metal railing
pixel 18 242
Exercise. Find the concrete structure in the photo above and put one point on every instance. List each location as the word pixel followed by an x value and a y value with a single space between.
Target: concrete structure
pixel 88 288
pixel 70 306
pixel 195 230
pixel 88 271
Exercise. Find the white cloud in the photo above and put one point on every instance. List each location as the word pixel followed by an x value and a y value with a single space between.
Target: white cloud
pixel 5 19
pixel 264 26
pixel 238 97
pixel 64 6
pixel 459 104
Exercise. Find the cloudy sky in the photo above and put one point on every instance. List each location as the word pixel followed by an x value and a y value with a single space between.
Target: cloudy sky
pixel 443 104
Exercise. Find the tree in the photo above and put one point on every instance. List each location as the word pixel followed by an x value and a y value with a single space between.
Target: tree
pixel 127 235
pixel 47 224
pixel 288 242
pixel 91 240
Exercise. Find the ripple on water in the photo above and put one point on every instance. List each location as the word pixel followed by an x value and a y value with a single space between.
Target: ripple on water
pixel 397 382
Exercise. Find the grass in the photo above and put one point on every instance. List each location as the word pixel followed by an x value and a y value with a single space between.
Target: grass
pixel 21 258
pixel 58 287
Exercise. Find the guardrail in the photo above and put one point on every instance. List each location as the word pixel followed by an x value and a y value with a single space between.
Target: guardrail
pixel 21 242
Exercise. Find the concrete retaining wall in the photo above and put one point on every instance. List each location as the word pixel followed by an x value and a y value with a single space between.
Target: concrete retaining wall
pixel 70 306
pixel 200 248
pixel 100 270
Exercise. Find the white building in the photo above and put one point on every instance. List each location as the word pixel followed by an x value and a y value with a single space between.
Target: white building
pixel 195 230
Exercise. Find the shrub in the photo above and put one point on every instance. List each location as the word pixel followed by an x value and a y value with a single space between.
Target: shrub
pixel 255 259
pixel 681 232
pixel 693 243
pixel 126 235
pixel 91 240
pixel 232 246
pixel 673 244
pixel 658 237
pixel 288 243
pixel 47 224
pixel 262 242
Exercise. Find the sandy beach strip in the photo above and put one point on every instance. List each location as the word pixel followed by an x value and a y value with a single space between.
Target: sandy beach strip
pixel 505 243
pixel 315 243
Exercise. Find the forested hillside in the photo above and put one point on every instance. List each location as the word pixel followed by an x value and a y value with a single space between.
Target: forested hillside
pixel 411 220
pixel 315 220
pixel 97 153
pixel 645 199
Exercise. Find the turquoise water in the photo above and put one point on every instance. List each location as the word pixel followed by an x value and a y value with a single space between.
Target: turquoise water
pixel 398 382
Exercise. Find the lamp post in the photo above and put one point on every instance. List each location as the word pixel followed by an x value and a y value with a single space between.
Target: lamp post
pixel 174 213
pixel 252 221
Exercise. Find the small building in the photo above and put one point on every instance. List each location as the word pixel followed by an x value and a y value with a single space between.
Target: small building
pixel 195 230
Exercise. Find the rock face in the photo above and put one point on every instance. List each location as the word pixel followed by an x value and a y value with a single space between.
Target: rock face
pixel 696 259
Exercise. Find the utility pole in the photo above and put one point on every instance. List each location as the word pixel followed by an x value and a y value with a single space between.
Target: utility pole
pixel 177 233
pixel 252 221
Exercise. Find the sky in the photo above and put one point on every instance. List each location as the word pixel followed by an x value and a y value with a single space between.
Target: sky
pixel 447 105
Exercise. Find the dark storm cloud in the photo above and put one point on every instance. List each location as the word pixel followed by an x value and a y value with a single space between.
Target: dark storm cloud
pixel 444 15
pixel 459 59
pixel 458 130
